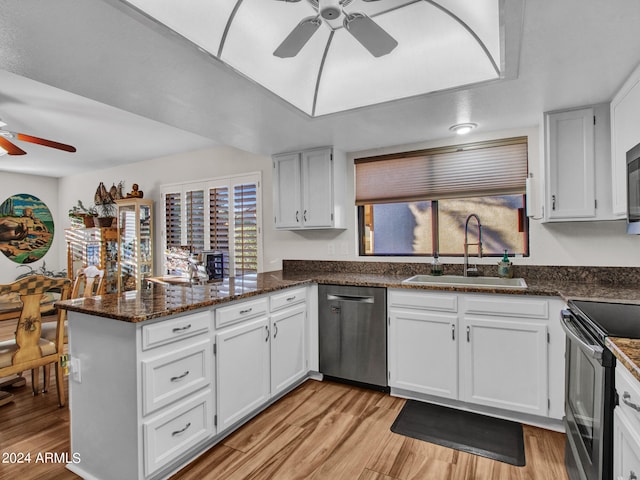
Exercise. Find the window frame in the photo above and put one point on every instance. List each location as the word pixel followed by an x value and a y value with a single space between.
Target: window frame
pixel 229 182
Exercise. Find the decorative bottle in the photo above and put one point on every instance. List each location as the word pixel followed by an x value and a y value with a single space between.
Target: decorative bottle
pixel 505 269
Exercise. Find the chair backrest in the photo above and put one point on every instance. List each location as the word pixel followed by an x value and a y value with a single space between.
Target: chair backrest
pixel 29 326
pixel 88 283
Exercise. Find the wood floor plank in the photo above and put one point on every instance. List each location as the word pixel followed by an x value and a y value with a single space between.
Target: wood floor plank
pixel 321 430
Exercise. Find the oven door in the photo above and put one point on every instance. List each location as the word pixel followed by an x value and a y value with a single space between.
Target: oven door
pixel 584 401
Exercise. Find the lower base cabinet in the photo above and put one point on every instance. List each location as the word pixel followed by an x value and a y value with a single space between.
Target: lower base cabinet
pixel 626 426
pixel 483 349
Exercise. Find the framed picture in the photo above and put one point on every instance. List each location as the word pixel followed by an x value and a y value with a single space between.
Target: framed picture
pixel 213 262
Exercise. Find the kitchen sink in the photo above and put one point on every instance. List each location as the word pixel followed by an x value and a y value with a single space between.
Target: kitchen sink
pixel 461 281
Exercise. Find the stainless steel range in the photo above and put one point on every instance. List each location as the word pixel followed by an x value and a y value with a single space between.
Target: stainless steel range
pixel 589 385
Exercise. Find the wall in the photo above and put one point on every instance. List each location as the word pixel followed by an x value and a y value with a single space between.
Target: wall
pixel 584 243
pixel 46 189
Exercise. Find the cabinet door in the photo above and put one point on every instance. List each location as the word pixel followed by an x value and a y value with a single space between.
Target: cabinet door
pixel 286 191
pixel 423 352
pixel 243 370
pixel 626 448
pixel 504 364
pixel 288 360
pixel 570 165
pixel 317 188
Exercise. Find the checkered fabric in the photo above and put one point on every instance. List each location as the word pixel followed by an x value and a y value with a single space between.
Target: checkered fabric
pixel 35 284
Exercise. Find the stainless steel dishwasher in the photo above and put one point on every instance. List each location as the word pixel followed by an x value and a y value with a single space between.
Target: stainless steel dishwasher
pixel 353 334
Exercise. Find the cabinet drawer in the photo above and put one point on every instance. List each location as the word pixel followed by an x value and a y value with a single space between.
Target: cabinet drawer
pixel 169 377
pixel 506 306
pixel 173 433
pixel 168 331
pixel 241 311
pixel 628 389
pixel 441 302
pixel 288 297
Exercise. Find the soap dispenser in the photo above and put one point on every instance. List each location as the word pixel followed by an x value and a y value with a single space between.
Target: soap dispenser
pixel 505 269
pixel 436 266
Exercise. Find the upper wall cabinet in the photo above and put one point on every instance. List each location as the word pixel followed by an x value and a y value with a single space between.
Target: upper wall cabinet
pixel 577 165
pixel 625 134
pixel 309 189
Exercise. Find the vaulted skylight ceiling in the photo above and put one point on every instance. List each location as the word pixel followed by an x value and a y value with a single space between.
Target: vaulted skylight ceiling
pixel 442 45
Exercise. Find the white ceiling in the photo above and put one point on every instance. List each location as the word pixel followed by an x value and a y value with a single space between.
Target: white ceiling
pixel 123 88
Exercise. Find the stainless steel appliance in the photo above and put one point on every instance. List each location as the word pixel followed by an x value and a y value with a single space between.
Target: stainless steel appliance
pixel 633 190
pixel 590 391
pixel 353 334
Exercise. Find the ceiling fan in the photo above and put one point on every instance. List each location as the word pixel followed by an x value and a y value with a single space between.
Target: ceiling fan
pixel 370 35
pixel 7 146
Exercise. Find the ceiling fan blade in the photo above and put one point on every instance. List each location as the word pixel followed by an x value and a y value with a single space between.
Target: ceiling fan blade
pixel 46 143
pixel 298 37
pixel 370 35
pixel 10 147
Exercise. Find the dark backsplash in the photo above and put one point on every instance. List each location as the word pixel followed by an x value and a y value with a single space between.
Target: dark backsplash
pixel 597 275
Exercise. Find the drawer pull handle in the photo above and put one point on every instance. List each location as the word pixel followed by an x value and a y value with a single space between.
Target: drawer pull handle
pixel 275 330
pixel 625 399
pixel 291 299
pixel 266 327
pixel 242 312
pixel 453 332
pixel 468 334
pixel 181 329
pixel 180 377
pixel 180 432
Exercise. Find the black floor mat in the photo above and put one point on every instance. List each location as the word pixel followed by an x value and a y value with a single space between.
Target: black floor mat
pixel 490 437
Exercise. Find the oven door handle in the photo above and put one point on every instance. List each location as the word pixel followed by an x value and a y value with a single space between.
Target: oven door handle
pixel 594 351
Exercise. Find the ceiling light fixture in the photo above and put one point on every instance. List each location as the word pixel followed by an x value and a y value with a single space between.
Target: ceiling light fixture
pixel 463 128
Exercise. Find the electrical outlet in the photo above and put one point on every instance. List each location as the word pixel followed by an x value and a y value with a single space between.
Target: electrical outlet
pixel 76 372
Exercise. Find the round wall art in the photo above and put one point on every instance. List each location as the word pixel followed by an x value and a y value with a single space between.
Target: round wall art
pixel 26 228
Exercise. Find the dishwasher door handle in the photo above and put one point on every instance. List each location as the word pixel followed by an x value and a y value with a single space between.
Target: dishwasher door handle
pixel 350 298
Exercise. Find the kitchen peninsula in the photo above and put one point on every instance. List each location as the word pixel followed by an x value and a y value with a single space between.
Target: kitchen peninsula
pixel 209 357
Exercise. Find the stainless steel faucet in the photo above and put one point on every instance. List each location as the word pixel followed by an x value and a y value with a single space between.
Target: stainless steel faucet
pixel 471 271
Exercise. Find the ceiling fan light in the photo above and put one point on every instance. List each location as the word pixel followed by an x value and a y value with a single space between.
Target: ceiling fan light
pixel 463 128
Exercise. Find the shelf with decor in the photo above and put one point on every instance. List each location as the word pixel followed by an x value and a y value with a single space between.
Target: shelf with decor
pixel 135 242
pixel 93 246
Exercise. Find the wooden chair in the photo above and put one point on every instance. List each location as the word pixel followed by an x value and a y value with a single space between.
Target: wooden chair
pixel 28 350
pixel 89 282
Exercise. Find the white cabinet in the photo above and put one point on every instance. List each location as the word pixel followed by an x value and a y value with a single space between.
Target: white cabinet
pixel 577 165
pixel 482 349
pixel 309 189
pixel 570 164
pixel 261 354
pixel 625 134
pixel 626 427
pixel 242 370
pixel 288 353
pixel 426 357
pixel 504 364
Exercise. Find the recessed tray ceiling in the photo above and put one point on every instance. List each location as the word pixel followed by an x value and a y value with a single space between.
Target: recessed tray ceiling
pixel 442 45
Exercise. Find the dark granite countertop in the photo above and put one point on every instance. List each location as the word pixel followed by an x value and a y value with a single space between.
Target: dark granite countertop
pixel 163 300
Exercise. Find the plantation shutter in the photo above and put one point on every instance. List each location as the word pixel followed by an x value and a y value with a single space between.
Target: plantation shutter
pixel 245 228
pixel 219 223
pixel 194 212
pixel 172 216
pixel 472 170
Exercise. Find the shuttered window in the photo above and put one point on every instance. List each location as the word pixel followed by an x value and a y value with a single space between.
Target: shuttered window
pixel 245 203
pixel 221 214
pixel 172 219
pixel 194 212
pixel 472 170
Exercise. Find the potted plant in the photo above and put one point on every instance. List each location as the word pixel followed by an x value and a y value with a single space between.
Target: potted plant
pixel 81 215
pixel 106 206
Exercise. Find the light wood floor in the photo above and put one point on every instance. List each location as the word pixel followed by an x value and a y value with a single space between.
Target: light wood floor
pixel 321 430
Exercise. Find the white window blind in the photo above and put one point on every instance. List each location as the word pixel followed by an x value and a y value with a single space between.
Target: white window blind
pixel 472 170
pixel 246 228
pixel 219 222
pixel 172 219
pixel 194 213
